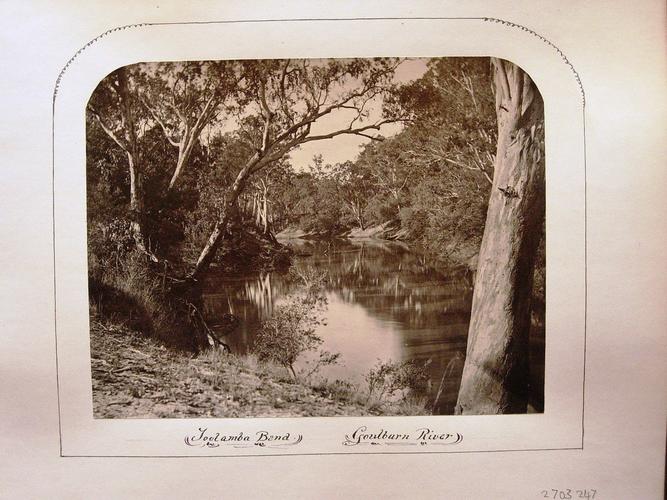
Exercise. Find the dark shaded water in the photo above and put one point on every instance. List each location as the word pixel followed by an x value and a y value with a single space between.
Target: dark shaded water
pixel 384 303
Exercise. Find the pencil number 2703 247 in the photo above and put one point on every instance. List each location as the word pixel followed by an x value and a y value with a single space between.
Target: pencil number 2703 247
pixel 569 494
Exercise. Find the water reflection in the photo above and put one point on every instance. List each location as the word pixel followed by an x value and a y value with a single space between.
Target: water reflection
pixel 384 302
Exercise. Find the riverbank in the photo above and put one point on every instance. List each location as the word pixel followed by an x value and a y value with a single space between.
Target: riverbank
pixel 137 377
pixel 389 230
pixel 455 254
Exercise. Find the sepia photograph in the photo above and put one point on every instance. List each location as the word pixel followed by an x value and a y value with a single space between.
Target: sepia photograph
pixel 333 250
pixel 316 237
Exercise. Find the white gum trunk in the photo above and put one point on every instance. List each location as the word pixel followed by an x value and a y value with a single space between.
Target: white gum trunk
pixel 495 373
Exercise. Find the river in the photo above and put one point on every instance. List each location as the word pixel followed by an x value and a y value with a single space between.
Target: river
pixel 384 302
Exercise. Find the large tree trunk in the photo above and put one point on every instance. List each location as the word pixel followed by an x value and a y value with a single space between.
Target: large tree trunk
pixel 495 373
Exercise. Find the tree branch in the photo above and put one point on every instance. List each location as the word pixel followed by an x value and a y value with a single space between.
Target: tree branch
pixel 109 131
pixel 206 113
pixel 155 116
pixel 351 131
pixel 319 114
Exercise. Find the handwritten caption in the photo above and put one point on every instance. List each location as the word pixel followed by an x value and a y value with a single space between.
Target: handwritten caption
pixel 423 436
pixel 263 439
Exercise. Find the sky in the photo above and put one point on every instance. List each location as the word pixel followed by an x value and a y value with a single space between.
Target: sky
pixel 347 147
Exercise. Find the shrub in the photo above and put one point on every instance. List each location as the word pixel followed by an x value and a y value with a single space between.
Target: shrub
pixel 387 378
pixel 291 331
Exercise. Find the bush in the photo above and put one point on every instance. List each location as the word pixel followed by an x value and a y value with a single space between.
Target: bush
pixel 291 331
pixel 387 378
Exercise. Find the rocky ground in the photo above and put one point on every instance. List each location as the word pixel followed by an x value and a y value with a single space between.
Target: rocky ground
pixel 135 377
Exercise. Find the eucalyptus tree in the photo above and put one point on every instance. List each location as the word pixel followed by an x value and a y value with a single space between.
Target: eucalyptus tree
pixel 184 98
pixel 495 372
pixel 115 108
pixel 287 103
pixel 178 99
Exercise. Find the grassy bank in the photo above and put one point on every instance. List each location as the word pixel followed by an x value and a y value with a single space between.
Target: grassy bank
pixel 135 376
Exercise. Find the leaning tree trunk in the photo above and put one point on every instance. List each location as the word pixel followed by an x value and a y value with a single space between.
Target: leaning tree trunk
pixel 216 237
pixel 495 374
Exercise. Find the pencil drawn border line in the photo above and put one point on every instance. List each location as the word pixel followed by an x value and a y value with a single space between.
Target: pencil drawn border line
pixel 247 21
pixel 503 22
pixel 550 44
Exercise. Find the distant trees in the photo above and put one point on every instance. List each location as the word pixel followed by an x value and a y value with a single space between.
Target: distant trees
pixel 226 122
pixel 354 184
pixel 285 99
pixel 264 201
pixel 433 177
pixel 389 174
pixel 326 213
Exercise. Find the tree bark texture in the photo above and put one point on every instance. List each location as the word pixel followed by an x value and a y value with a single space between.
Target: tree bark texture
pixel 495 373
